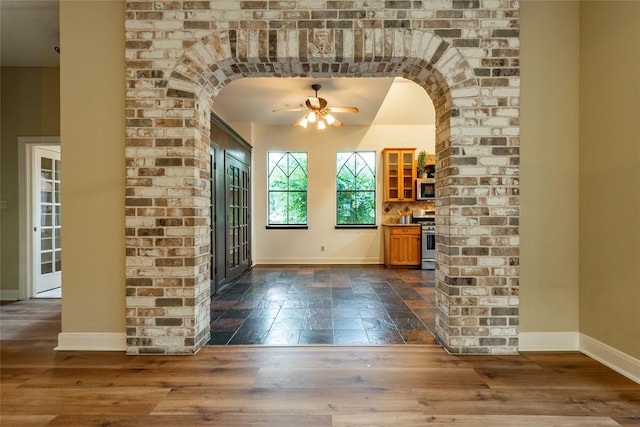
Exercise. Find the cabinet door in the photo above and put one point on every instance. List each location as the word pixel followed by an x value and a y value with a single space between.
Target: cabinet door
pixel 404 250
pixel 392 176
pixel 408 176
pixel 414 250
pixel 399 175
pixel 395 249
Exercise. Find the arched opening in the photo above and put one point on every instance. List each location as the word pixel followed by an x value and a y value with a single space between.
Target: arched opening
pixel 326 283
pixel 169 263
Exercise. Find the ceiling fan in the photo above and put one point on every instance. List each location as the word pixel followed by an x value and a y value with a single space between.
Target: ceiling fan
pixel 319 112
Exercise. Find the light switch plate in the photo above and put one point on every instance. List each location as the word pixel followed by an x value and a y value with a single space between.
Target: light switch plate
pixel 3 204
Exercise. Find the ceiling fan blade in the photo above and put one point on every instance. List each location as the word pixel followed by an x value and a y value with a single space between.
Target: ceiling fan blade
pixel 337 123
pixel 278 110
pixel 299 121
pixel 343 109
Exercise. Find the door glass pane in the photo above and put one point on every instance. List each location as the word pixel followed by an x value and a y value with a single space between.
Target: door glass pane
pixel 46 257
pixel 46 268
pixel 46 244
pixel 45 220
pixel 233 216
pixel 46 196
pixel 46 168
pixel 46 261
pixel 58 262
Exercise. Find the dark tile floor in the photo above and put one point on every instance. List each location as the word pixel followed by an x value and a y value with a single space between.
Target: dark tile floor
pixel 349 305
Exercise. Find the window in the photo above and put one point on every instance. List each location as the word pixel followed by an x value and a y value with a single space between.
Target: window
pixel 287 189
pixel 356 188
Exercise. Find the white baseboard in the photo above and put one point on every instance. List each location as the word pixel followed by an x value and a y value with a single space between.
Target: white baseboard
pixel 549 341
pixel 318 260
pixel 91 341
pixel 620 362
pixel 9 295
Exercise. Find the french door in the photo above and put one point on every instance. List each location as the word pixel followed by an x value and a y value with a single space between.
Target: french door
pixel 237 205
pixel 212 227
pixel 46 206
pixel 230 207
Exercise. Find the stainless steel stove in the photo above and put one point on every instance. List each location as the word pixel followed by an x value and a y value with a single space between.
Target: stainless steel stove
pixel 427 219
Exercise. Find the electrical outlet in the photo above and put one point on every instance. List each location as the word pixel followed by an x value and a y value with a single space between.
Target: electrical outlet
pixel 321 248
pixel 3 204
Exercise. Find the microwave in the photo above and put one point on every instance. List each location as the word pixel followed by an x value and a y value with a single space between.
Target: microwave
pixel 425 189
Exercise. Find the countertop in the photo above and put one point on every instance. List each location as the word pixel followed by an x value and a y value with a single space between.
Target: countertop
pixel 396 224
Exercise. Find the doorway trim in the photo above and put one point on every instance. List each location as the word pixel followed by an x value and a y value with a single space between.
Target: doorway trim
pixel 26 144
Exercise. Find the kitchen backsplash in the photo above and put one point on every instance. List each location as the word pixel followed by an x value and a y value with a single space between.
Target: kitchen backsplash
pixel 390 214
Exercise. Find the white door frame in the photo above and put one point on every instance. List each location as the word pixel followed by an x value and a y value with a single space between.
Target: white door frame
pixel 25 213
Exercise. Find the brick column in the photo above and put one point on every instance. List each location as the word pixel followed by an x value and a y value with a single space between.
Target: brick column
pixel 167 228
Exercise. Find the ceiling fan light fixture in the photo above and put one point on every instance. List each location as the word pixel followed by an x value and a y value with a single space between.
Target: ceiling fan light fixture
pixel 311 117
pixel 330 119
pixel 318 112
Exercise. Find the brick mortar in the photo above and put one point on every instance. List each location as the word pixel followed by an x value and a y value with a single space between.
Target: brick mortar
pixel 181 54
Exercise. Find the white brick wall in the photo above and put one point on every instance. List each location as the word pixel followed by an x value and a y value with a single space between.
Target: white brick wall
pixel 180 55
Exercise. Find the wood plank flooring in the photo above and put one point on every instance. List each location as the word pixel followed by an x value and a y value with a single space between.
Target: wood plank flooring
pixel 300 386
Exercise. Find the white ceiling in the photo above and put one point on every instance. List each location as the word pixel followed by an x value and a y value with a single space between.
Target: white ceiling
pixel 29 33
pixel 382 101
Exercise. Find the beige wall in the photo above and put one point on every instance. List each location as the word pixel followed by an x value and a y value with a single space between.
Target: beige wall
pixel 610 174
pixel 549 261
pixel 30 107
pixel 345 246
pixel 93 128
pixel 92 131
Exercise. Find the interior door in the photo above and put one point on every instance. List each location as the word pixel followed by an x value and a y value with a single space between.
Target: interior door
pixel 212 222
pixel 237 207
pixel 47 250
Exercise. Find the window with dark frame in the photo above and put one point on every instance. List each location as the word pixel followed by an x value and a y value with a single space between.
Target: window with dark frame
pixel 355 188
pixel 287 188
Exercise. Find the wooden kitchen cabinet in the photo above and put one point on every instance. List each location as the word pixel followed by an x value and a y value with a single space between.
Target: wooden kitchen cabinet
pixel 402 245
pixel 399 174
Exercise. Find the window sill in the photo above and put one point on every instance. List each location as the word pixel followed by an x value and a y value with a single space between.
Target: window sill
pixel 365 226
pixel 287 227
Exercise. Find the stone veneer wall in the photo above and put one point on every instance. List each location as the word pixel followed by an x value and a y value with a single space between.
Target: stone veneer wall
pixel 180 54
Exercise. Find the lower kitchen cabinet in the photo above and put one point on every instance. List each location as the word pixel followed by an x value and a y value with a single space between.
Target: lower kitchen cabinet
pixel 402 245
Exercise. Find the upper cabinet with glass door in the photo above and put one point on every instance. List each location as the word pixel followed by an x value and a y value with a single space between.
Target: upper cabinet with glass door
pixel 399 174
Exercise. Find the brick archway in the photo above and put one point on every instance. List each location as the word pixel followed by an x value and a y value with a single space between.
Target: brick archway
pixel 167 179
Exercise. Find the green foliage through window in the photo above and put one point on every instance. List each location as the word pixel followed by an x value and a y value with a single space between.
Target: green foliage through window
pixel 287 188
pixel 356 188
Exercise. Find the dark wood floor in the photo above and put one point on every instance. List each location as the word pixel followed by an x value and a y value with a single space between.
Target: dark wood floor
pixel 337 386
